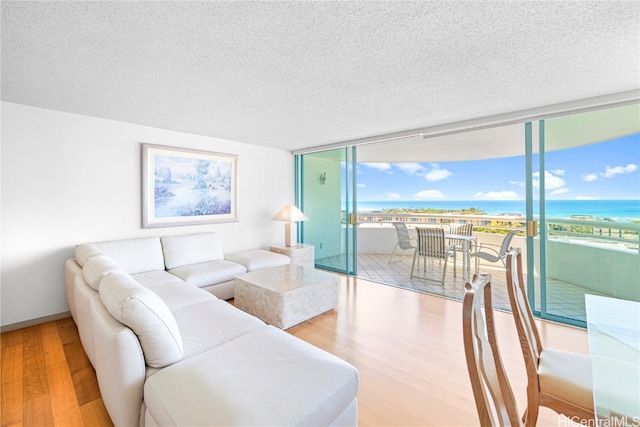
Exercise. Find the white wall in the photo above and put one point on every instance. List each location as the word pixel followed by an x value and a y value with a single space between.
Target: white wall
pixel 68 179
pixel 609 271
pixel 321 203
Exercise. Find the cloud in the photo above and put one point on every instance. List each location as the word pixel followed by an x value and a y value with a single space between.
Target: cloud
pixel 518 183
pixel 589 177
pixel 410 168
pixel 551 181
pixel 497 195
pixel 610 172
pixel 361 185
pixel 437 174
pixel 587 198
pixel 559 191
pixel 382 167
pixel 559 172
pixel 429 195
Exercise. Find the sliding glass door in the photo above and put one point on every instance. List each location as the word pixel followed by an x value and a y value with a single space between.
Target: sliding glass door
pixel 327 183
pixel 574 178
pixel 584 193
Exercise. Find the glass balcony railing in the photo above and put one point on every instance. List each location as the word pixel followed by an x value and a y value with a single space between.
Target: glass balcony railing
pixel 606 234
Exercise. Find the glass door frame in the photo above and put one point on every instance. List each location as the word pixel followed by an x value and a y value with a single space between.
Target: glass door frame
pixel 348 199
pixel 351 211
pixel 536 236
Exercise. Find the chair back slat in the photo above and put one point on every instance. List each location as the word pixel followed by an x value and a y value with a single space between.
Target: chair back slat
pixel 527 330
pixel 462 230
pixel 431 242
pixel 493 395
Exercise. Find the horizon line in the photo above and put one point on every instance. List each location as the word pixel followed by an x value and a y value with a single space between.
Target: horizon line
pixel 502 200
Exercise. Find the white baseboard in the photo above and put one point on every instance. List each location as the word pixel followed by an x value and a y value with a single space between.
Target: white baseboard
pixel 32 322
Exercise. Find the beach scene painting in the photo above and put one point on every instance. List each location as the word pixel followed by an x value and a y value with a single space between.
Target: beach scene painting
pixel 185 187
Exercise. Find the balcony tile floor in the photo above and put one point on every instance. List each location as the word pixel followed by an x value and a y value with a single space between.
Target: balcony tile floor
pixel 563 299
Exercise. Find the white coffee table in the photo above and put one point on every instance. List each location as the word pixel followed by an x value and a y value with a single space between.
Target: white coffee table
pixel 287 295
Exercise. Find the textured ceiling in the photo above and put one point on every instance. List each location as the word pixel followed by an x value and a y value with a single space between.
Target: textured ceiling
pixel 300 74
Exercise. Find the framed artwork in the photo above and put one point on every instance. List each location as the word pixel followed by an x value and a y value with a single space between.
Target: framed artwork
pixel 181 186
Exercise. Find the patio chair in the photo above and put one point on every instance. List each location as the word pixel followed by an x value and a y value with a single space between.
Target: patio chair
pixel 487 252
pixel 557 380
pixel 460 230
pixel 493 395
pixel 431 244
pixel 404 241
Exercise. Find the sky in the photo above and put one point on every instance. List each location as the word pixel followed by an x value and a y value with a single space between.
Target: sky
pixel 606 170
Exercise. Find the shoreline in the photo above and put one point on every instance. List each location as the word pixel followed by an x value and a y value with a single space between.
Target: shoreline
pixel 501 216
pixel 616 211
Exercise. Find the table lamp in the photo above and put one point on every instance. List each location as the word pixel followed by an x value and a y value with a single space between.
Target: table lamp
pixel 289 214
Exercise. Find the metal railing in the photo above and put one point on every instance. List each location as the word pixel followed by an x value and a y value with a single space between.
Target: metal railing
pixel 496 222
pixel 608 234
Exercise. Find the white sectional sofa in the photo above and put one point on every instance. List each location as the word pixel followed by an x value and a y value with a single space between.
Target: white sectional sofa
pixel 167 352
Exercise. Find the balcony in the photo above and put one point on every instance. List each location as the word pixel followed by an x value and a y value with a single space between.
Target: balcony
pixel 594 257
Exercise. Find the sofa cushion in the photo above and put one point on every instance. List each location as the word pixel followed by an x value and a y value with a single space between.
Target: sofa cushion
pixel 151 279
pixel 179 294
pixel 258 259
pixel 96 268
pixel 191 249
pixel 146 314
pixel 84 252
pixel 223 323
pixel 135 255
pixel 208 273
pixel 265 377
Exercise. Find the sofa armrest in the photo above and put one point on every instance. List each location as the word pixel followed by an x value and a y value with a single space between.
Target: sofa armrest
pixel 71 270
pixel 119 365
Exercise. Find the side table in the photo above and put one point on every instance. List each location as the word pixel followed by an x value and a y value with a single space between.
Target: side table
pixel 301 254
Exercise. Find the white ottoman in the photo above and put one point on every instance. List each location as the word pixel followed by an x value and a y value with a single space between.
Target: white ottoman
pixel 287 295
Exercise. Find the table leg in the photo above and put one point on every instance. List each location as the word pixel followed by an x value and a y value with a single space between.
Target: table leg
pixel 465 253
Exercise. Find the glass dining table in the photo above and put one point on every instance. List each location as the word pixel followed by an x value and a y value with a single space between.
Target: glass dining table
pixel 614 345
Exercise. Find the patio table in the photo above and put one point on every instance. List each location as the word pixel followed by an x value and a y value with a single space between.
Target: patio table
pixel 465 240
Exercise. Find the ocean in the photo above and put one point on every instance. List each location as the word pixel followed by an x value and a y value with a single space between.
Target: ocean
pixel 617 210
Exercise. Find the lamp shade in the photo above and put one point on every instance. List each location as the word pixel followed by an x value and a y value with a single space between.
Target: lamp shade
pixel 290 214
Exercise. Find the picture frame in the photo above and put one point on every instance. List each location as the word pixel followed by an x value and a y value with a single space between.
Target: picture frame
pixel 182 186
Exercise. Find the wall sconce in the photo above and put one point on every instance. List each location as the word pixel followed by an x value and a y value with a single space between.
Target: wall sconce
pixel 323 177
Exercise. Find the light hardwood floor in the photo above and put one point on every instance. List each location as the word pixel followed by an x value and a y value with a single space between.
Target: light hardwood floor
pixel 47 379
pixel 406 345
